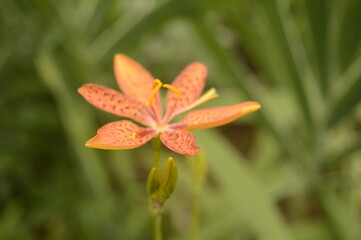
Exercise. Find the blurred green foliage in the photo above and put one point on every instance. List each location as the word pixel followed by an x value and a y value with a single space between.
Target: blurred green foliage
pixel 290 171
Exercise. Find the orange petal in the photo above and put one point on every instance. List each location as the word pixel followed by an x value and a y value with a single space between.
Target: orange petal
pixel 121 135
pixel 114 102
pixel 214 117
pixel 180 141
pixel 190 83
pixel 134 80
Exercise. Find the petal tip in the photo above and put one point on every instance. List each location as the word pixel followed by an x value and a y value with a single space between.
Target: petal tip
pixel 84 88
pixel 121 58
pixel 199 64
pixel 81 89
pixel 195 151
pixel 94 143
pixel 120 55
pixel 252 107
pixel 90 142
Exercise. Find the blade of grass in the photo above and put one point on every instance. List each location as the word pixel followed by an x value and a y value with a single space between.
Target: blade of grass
pixel 344 154
pixel 251 41
pixel 251 91
pixel 242 188
pixel 341 216
pixel 345 101
pixel 115 42
pixel 345 104
pixel 119 42
pixel 317 16
pixel 349 33
pixel 283 34
pixel 75 122
pixel 300 158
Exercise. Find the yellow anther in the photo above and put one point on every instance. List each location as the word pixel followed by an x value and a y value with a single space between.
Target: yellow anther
pixel 157 84
pixel 174 89
pixel 210 94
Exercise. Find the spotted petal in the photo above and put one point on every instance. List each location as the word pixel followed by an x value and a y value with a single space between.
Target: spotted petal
pixel 214 117
pixel 180 141
pixel 114 102
pixel 121 135
pixel 190 83
pixel 134 80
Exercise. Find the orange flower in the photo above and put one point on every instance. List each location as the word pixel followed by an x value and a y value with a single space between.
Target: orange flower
pixel 141 103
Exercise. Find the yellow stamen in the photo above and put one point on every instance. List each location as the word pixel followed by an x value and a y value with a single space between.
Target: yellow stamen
pixel 210 94
pixel 157 84
pixel 174 89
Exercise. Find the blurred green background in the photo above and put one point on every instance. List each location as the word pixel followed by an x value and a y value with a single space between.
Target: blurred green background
pixel 290 171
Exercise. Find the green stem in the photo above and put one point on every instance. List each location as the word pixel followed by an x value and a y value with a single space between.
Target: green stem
pixel 157 226
pixel 154 207
pixel 195 216
pixel 157 145
pixel 198 168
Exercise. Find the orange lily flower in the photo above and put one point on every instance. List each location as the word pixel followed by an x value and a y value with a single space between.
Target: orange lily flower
pixel 141 103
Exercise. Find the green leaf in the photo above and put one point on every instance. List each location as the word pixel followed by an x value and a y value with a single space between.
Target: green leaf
pixel 350 33
pixel 317 13
pixel 347 102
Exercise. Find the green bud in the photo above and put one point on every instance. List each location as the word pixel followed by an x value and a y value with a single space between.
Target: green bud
pixel 152 181
pixel 168 180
